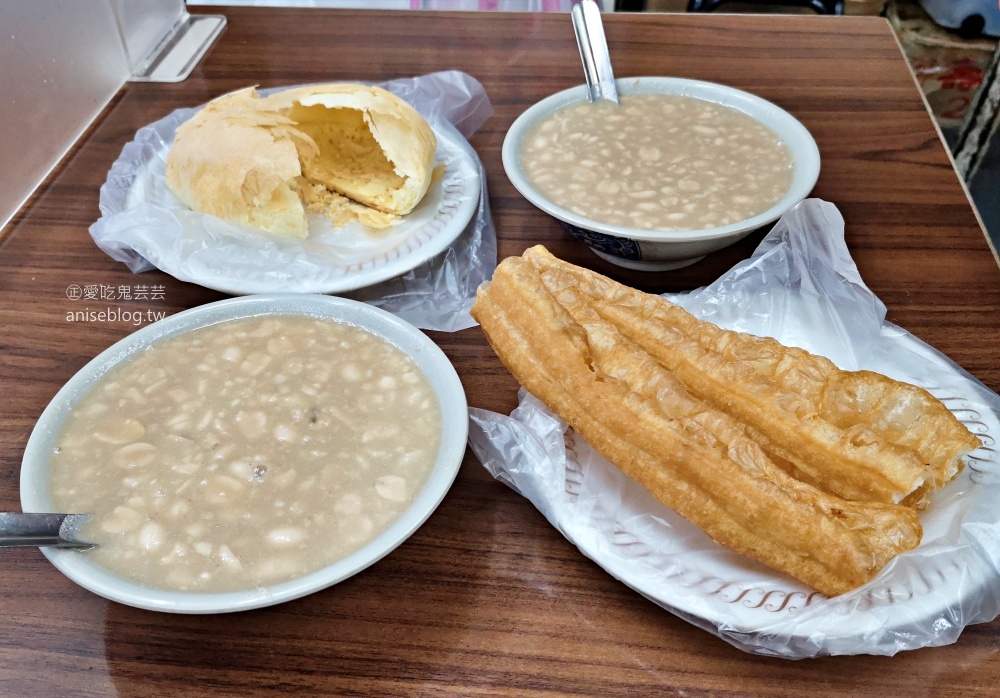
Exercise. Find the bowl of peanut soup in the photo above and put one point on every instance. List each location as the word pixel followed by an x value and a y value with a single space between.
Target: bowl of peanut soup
pixel 247 452
pixel 680 169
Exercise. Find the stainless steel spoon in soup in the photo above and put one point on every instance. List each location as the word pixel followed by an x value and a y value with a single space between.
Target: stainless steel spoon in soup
pixel 594 52
pixel 36 530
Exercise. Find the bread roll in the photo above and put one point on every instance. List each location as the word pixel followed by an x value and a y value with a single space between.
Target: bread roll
pixel 236 160
pixel 374 148
pixel 253 160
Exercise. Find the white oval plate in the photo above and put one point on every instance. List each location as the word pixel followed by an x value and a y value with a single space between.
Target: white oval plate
pixel 930 592
pixel 240 259
pixel 429 358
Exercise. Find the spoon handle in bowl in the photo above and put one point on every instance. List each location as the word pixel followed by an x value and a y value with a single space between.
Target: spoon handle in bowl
pixel 594 52
pixel 34 530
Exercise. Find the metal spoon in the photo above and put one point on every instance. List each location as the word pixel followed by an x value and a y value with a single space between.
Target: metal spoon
pixel 34 530
pixel 594 51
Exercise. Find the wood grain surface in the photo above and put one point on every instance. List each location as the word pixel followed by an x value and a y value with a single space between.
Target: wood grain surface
pixel 487 598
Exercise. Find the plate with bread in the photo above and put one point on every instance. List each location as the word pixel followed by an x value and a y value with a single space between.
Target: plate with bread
pixel 314 189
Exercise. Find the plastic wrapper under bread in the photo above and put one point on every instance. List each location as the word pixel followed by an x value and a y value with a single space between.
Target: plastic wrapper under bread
pixel 141 220
pixel 802 288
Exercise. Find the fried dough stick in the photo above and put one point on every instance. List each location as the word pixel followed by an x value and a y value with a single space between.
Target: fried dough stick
pixel 902 414
pixel 687 455
pixel 859 435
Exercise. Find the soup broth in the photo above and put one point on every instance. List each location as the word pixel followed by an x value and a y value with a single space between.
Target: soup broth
pixel 657 162
pixel 247 453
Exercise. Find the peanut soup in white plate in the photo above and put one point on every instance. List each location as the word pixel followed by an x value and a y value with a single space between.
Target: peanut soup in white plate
pixel 657 162
pixel 247 453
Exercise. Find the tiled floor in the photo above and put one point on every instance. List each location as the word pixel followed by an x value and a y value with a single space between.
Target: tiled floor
pixel 985 190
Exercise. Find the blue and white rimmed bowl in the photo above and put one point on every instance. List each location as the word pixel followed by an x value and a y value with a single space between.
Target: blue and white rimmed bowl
pixel 650 250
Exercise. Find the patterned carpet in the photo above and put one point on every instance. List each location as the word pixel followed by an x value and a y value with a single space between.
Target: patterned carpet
pixel 948 67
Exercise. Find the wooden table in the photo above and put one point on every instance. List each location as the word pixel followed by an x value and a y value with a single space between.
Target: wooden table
pixel 487 598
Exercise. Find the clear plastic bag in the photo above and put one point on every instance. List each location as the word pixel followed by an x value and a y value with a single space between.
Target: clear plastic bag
pixel 143 225
pixel 801 287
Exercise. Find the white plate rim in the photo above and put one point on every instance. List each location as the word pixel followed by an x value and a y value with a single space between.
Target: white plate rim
pixel 456 220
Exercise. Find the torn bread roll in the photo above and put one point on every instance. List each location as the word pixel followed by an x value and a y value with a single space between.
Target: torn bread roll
pixel 352 152
pixel 372 147
pixel 692 457
pixel 856 434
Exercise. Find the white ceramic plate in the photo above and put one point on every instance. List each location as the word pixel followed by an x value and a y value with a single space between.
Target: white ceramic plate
pixel 429 358
pixel 239 259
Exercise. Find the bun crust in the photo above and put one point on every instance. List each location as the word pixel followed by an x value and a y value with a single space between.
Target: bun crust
pixel 235 159
pixel 249 159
